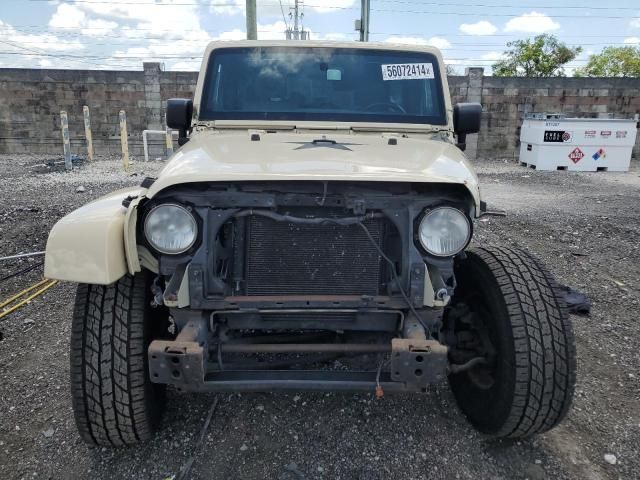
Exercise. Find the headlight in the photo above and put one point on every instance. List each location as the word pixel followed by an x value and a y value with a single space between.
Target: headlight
pixel 444 231
pixel 170 228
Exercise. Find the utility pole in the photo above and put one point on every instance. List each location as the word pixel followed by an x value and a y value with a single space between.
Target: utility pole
pixel 363 24
pixel 297 33
pixel 252 26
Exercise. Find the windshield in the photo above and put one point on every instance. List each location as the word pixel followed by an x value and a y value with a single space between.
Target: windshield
pixel 342 85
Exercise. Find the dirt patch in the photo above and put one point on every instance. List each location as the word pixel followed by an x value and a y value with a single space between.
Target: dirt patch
pixel 585 227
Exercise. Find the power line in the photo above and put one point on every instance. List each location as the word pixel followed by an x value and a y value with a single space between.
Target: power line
pixel 497 35
pixel 502 5
pixel 397 11
pixel 156 44
pixel 194 57
pixel 284 17
pixel 55 30
pixel 99 57
pixel 504 15
pixel 337 7
pixel 141 37
pixel 36 32
pixel 77 34
pixel 454 46
pixel 40 53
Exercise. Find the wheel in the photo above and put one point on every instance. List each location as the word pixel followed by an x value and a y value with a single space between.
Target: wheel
pixel 114 401
pixel 508 322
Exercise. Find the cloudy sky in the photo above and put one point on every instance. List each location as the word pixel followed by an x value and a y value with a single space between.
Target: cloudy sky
pixel 121 34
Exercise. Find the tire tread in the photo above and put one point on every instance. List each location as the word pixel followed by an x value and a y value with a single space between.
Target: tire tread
pixel 108 378
pixel 543 339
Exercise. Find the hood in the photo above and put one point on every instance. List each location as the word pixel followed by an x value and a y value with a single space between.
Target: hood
pixel 219 155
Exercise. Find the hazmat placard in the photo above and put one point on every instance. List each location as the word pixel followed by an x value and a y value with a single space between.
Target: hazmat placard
pixel 576 155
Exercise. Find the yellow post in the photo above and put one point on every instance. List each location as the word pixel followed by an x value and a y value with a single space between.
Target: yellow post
pixel 169 140
pixel 87 132
pixel 64 125
pixel 124 140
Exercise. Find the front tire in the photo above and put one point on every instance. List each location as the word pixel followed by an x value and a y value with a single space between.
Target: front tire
pixel 509 308
pixel 113 400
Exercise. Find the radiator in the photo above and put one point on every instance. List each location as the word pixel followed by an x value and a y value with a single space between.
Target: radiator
pixel 295 259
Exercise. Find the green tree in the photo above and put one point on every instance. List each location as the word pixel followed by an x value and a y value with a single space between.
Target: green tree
pixel 542 56
pixel 612 62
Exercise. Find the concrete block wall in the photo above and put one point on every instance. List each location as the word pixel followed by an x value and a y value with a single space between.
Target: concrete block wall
pixel 31 100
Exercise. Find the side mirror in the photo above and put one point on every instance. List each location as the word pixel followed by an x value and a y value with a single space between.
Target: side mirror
pixel 466 119
pixel 179 113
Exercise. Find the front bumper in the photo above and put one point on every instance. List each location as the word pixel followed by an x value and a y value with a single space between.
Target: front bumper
pixel 185 363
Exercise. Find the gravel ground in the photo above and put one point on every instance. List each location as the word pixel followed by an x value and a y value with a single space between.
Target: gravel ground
pixel 583 225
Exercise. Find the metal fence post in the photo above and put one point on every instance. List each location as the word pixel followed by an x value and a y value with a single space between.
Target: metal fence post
pixel 169 140
pixel 64 124
pixel 87 131
pixel 124 140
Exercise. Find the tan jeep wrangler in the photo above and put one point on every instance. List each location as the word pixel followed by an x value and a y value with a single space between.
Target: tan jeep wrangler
pixel 319 209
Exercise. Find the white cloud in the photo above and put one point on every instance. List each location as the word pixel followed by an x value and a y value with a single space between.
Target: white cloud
pixel 333 37
pixel 186 66
pixel 265 8
pixel 165 31
pixel 272 31
pixel 38 50
pixel 41 42
pixel 331 5
pixel 67 16
pixel 407 40
pixel 160 19
pixel 271 8
pixel 632 40
pixel 157 49
pixel 493 56
pixel 96 28
pixel 138 10
pixel 533 22
pixel 142 51
pixel 227 7
pixel 482 27
pixel 133 32
pixel 635 22
pixel 438 42
pixel 161 52
pixel 235 34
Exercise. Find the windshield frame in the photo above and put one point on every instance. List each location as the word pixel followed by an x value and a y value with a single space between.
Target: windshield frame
pixel 206 115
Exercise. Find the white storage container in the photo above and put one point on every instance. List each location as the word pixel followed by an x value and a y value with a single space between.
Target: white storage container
pixel 552 142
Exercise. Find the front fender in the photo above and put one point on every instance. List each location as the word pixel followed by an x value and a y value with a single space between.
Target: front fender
pixel 88 245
